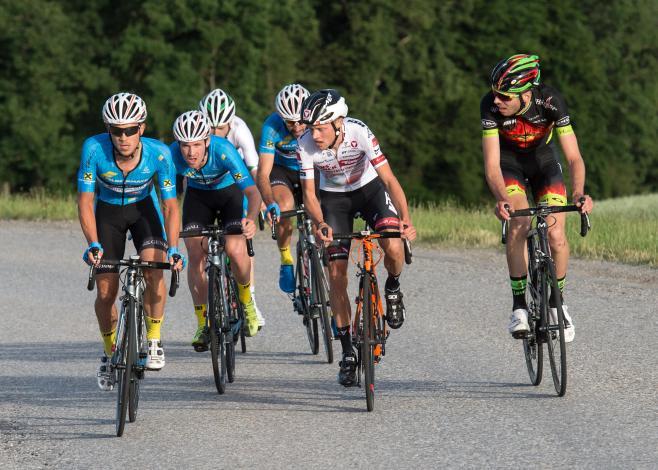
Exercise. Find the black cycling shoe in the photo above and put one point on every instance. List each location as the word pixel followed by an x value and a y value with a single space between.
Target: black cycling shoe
pixel 347 371
pixel 394 308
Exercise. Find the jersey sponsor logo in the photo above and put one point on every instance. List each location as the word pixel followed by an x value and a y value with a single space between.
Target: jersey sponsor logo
pixel 353 144
pixel 167 183
pixel 189 173
pixel 237 176
pixel 88 177
pixel 146 170
pixel 488 124
pixel 375 142
pixel 509 123
pixel 562 121
pixel 108 174
pixel 546 103
pixel 223 157
pixel 160 157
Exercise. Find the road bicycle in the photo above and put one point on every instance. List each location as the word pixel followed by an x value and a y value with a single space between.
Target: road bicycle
pixel 369 329
pixel 128 361
pixel 311 296
pixel 225 320
pixel 544 327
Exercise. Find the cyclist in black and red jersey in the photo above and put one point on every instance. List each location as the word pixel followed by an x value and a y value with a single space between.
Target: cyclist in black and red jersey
pixel 519 119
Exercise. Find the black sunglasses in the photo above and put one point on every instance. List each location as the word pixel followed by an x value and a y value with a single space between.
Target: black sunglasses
pixel 128 131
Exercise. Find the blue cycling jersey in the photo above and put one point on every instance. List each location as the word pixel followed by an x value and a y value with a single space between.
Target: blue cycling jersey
pixel 223 167
pixel 276 139
pixel 98 169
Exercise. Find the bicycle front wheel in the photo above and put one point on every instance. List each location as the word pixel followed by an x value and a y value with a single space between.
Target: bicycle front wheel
pixel 557 348
pixel 123 367
pixel 304 297
pixel 215 315
pixel 532 344
pixel 320 299
pixel 368 343
pixel 137 372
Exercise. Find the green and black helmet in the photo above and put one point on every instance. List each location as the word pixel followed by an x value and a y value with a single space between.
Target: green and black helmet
pixel 516 74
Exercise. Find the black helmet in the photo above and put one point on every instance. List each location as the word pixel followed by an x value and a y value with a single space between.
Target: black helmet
pixel 323 106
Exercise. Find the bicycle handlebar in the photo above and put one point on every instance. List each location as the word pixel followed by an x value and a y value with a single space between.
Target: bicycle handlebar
pixel 137 263
pixel 369 234
pixel 274 222
pixel 543 211
pixel 261 221
pixel 215 231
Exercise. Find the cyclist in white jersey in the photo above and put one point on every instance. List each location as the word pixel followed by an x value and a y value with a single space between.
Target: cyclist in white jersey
pixel 219 107
pixel 355 177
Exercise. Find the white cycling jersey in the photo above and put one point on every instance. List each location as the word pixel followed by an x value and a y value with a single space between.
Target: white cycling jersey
pixel 243 140
pixel 351 167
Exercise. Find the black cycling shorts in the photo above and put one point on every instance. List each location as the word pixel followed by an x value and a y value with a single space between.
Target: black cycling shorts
pixel 371 201
pixel 202 206
pixel 144 221
pixel 282 176
pixel 540 170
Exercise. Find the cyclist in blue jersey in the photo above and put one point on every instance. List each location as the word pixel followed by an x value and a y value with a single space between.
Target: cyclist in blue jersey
pixel 217 181
pixel 116 194
pixel 278 170
pixel 219 108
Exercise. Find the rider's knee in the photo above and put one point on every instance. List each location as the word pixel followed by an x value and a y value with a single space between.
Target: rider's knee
pixel 557 239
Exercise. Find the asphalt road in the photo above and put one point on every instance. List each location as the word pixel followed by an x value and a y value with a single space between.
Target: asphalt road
pixel 453 390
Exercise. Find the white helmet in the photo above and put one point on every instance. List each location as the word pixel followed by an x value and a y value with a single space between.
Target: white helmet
pixel 124 108
pixel 218 106
pixel 324 106
pixel 289 101
pixel 191 127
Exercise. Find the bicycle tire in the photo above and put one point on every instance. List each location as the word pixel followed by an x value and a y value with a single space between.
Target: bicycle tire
pixel 368 343
pixel 124 370
pixel 137 374
pixel 215 316
pixel 234 302
pixel 320 299
pixel 533 349
pixel 555 337
pixel 303 277
pixel 233 308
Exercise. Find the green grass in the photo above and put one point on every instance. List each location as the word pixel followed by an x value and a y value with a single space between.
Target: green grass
pixel 38 206
pixel 623 229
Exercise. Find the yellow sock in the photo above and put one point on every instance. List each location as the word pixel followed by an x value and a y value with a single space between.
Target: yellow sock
pixel 153 327
pixel 286 256
pixel 244 293
pixel 201 311
pixel 108 341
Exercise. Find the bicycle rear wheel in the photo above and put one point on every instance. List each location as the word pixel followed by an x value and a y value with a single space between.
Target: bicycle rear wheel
pixel 368 344
pixel 238 313
pixel 532 344
pixel 320 299
pixel 137 371
pixel 215 318
pixel 123 368
pixel 557 348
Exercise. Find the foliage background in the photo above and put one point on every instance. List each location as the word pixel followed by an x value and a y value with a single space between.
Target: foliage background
pixel 415 71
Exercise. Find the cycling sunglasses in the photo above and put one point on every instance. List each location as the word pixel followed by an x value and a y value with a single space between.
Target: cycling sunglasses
pixel 504 96
pixel 294 123
pixel 128 131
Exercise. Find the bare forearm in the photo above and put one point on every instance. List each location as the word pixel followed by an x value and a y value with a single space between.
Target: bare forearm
pixel 496 183
pixel 87 220
pixel 253 202
pixel 172 221
pixel 577 172
pixel 398 198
